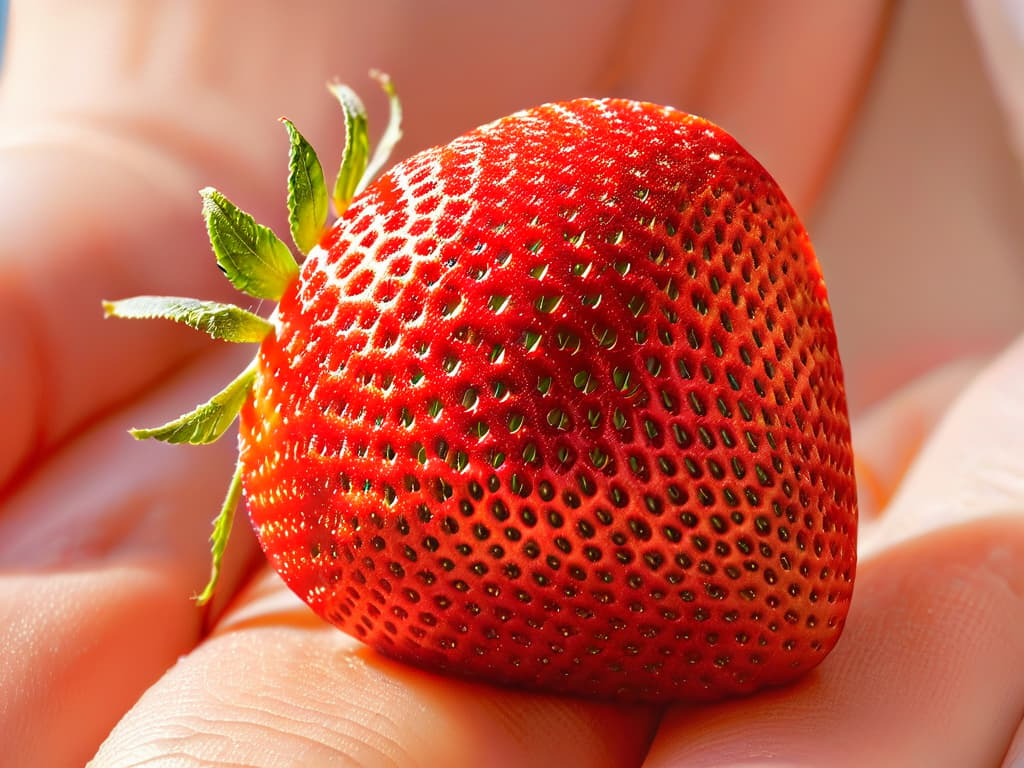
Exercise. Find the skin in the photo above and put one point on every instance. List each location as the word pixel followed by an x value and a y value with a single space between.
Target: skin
pixel 104 138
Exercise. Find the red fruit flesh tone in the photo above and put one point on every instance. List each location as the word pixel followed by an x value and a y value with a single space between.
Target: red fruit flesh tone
pixel 559 405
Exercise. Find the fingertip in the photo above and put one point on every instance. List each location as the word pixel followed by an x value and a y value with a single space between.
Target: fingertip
pixel 888 437
pixel 968 467
pixel 281 687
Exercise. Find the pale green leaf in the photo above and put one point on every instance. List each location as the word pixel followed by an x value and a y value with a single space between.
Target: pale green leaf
pixel 391 136
pixel 253 258
pixel 357 147
pixel 307 191
pixel 221 533
pixel 221 321
pixel 208 421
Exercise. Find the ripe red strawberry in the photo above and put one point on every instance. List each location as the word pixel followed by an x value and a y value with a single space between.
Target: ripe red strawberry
pixel 556 405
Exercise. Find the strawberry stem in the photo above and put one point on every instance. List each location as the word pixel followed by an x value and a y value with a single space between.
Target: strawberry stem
pixel 391 136
pixel 255 261
pixel 259 264
pixel 307 191
pixel 221 533
pixel 357 146
pixel 207 422
pixel 225 322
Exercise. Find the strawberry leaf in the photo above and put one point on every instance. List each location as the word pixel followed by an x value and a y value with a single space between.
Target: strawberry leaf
pixel 357 146
pixel 253 258
pixel 221 532
pixel 221 321
pixel 307 191
pixel 391 136
pixel 208 421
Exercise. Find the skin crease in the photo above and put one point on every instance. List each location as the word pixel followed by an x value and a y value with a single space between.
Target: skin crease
pixel 104 138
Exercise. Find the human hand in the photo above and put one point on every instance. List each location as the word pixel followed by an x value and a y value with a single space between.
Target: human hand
pixel 922 676
pixel 102 540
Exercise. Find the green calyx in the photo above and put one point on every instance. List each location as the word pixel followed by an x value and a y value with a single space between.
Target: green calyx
pixel 261 265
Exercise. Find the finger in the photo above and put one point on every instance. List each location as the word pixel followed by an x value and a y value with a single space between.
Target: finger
pixel 888 437
pixel 99 555
pixel 99 182
pixel 796 131
pixel 58 265
pixel 924 674
pixel 276 686
pixel 970 468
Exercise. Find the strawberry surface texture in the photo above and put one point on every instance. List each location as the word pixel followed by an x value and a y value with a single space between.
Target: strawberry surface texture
pixel 559 405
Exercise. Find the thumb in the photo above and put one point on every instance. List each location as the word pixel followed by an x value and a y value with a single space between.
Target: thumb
pixel 971 468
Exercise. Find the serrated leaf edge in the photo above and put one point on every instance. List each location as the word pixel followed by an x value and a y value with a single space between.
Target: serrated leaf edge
pixel 391 136
pixel 263 268
pixel 224 322
pixel 357 147
pixel 307 191
pixel 253 258
pixel 205 423
pixel 222 525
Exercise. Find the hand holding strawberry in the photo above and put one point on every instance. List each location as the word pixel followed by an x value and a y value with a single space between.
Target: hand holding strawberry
pixel 926 650
pixel 100 542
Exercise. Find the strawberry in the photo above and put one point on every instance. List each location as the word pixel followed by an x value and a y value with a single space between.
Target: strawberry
pixel 557 405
